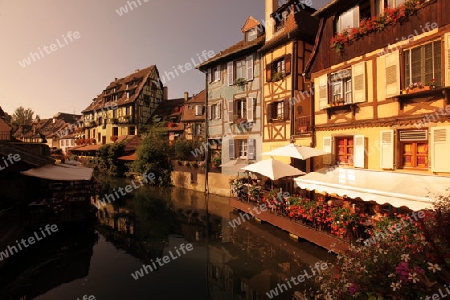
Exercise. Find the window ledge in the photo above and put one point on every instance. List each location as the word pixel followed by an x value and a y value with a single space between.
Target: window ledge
pixel 431 93
pixel 345 107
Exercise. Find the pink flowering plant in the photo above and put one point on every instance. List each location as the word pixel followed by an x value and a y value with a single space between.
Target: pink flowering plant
pixel 397 262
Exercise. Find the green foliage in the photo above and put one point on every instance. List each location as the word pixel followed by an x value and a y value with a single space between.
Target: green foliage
pixel 183 148
pixel 154 156
pixel 22 116
pixel 107 159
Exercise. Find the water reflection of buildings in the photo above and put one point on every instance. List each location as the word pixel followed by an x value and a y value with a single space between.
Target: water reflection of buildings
pixel 63 258
pixel 254 261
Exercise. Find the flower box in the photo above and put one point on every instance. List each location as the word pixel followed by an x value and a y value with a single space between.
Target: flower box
pixel 418 90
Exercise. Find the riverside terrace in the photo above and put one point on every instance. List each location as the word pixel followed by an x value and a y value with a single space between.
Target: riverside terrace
pixel 322 220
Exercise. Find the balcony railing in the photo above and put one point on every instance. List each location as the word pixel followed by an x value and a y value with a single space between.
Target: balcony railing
pixel 303 125
pixel 89 124
pixel 125 120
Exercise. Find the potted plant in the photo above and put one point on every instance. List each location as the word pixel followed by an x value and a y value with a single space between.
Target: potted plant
pixel 240 82
pixel 432 83
pixel 216 161
pixel 277 76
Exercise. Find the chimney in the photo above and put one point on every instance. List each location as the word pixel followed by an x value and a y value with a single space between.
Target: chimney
pixel 271 6
pixel 165 93
pixel 186 96
pixel 115 78
pixel 137 70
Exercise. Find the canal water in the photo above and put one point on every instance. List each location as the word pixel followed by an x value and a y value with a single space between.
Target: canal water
pixel 184 240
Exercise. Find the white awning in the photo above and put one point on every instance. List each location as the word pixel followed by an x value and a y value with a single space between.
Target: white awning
pixel 414 191
pixel 60 172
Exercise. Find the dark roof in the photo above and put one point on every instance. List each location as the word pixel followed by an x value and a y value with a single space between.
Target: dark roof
pixel 134 80
pixel 299 25
pixel 68 118
pixel 46 127
pixel 189 108
pixel 171 107
pixel 26 156
pixel 234 50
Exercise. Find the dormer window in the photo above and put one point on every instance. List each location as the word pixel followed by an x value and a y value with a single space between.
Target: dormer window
pixel 280 19
pixel 251 34
pixel 348 19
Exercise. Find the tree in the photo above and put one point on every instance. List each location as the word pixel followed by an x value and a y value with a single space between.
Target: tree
pixel 153 156
pixel 22 116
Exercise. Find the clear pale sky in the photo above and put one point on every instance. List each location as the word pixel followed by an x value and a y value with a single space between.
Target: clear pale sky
pixel 71 72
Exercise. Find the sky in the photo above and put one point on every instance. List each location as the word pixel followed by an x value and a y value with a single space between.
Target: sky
pixel 57 55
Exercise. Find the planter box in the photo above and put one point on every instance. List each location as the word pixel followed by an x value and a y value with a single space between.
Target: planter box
pixel 418 90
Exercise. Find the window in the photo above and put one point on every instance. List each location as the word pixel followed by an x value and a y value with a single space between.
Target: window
pixel 242 148
pixel 423 63
pixel 198 110
pixel 341 87
pixel 241 108
pixel 215 112
pixel 344 150
pixel 240 69
pixel 214 74
pixel 131 130
pixel 413 148
pixel 280 19
pixel 349 19
pixel 115 131
pixel 279 68
pixel 197 129
pixel 251 34
pixel 278 111
pixel 394 3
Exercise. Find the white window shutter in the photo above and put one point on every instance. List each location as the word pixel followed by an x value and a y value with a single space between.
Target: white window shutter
pixel 249 64
pixel 359 82
pixel 447 59
pixel 321 91
pixel 251 149
pixel 231 149
pixel 198 110
pixel 219 111
pixel 327 147
pixel 209 112
pixel 217 73
pixel 392 69
pixel 230 111
pixel 359 151
pixel 250 106
pixel 209 75
pixel 387 149
pixel 230 70
pixel 440 148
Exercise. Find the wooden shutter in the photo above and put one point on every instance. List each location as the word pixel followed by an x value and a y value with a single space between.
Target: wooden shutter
pixel 230 72
pixel 268 72
pixel 209 112
pixel 287 63
pixel 230 111
pixel 249 65
pixel 321 91
pixel 251 154
pixel 250 107
pixel 269 111
pixel 440 148
pixel 209 75
pixel 447 60
pixel 198 110
pixel 392 74
pixel 231 149
pixel 219 110
pixel 286 109
pixel 387 149
pixel 327 147
pixel 359 82
pixel 358 151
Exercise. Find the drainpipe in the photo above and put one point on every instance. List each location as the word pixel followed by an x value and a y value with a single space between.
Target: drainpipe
pixel 294 87
pixel 206 133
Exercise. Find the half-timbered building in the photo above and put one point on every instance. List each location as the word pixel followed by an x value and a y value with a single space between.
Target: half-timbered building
pixel 290 35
